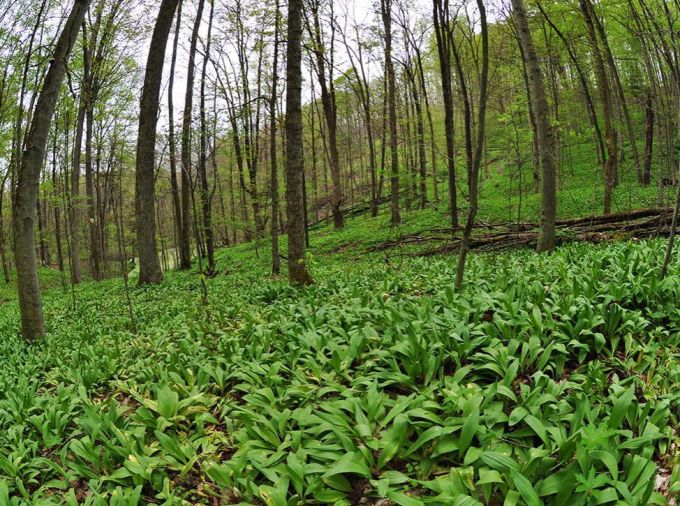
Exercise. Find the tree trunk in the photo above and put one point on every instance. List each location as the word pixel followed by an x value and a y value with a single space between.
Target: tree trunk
pixel 276 257
pixel 30 305
pixel 605 94
pixel 386 12
pixel 473 173
pixel 649 139
pixel 297 265
pixel 149 265
pixel 172 141
pixel 441 29
pixel 187 190
pixel 206 201
pixel 330 114
pixel 546 236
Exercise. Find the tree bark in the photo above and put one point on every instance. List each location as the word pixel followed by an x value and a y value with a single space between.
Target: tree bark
pixel 276 257
pixel 149 264
pixel 546 236
pixel 297 265
pixel 441 28
pixel 386 12
pixel 30 305
pixel 206 200
pixel 172 141
pixel 185 235
pixel 473 173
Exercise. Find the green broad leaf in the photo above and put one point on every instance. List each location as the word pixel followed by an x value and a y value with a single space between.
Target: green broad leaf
pixel 393 439
pixel 525 489
pixel 517 415
pixel 447 444
pixel 352 463
pixel 488 476
pixel 620 408
pixel 609 460
pixel 512 498
pixel 428 435
pixel 605 496
pixel 499 462
pixel 168 402
pixel 403 499
pixel 470 428
pixel 638 442
pixel 538 427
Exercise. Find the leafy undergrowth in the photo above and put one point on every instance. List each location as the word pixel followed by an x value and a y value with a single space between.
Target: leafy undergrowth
pixel 550 380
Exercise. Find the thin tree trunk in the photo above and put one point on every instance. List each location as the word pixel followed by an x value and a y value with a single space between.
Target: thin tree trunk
pixel 386 12
pixel 172 142
pixel 473 175
pixel 187 190
pixel 276 258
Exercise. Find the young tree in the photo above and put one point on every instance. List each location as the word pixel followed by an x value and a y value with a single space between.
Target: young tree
pixel 149 265
pixel 276 257
pixel 25 201
pixel 546 236
pixel 329 109
pixel 297 264
pixel 473 168
pixel 206 200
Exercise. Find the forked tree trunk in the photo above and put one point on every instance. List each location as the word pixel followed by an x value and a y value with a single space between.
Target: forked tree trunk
pixel 30 305
pixel 441 28
pixel 149 265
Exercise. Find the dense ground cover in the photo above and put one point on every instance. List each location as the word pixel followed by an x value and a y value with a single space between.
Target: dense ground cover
pixel 551 379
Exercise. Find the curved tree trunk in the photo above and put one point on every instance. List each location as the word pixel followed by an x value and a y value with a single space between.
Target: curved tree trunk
pixel 149 265
pixel 30 305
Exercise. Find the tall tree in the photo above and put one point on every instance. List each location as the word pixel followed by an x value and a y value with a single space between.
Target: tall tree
pixel 274 176
pixel 386 14
pixel 546 236
pixel 610 166
pixel 473 168
pixel 172 141
pixel 442 30
pixel 297 263
pixel 330 109
pixel 149 265
pixel 185 233
pixel 206 200
pixel 25 201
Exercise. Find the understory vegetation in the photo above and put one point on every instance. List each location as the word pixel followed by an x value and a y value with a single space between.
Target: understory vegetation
pixel 550 380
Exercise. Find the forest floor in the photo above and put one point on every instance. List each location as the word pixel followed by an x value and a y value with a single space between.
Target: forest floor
pixel 552 379
pixel 549 380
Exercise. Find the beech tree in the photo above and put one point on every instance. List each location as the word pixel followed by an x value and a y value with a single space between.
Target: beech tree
pixel 24 208
pixel 546 238
pixel 149 264
pixel 297 262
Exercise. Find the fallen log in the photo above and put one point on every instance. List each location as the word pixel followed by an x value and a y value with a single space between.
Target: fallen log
pixel 638 224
